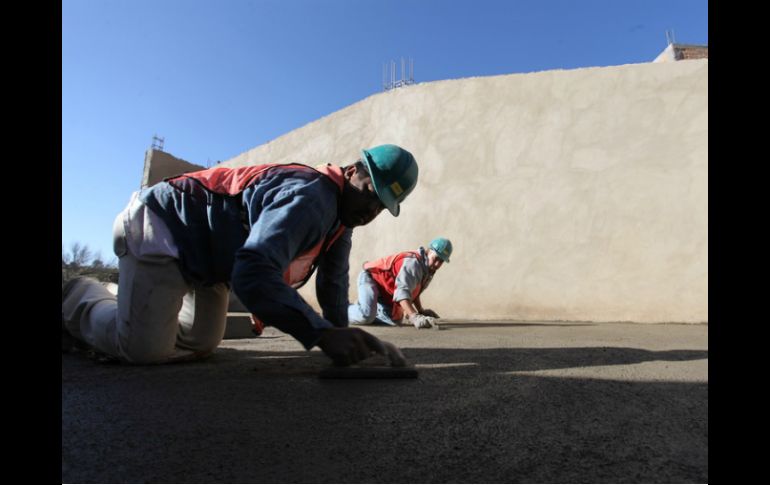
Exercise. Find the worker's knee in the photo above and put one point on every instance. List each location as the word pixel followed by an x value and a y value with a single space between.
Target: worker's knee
pixel 145 353
pixel 369 317
pixel 361 314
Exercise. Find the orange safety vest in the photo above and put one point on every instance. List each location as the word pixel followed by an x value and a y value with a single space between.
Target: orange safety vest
pixel 384 272
pixel 233 181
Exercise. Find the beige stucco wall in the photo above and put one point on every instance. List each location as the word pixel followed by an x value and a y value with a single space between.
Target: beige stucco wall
pixel 159 165
pixel 568 195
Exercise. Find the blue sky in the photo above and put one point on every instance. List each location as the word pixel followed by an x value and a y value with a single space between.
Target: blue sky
pixel 217 78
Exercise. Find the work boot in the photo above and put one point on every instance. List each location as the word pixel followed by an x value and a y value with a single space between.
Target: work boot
pixel 71 284
pixel 68 342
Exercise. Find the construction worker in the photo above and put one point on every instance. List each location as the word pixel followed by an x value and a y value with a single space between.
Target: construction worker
pixel 264 229
pixel 389 288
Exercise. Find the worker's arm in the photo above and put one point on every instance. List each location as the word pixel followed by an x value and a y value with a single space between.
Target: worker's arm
pixel 285 219
pixel 408 307
pixel 408 279
pixel 418 304
pixel 332 280
pixel 416 315
pixel 287 222
pixel 424 311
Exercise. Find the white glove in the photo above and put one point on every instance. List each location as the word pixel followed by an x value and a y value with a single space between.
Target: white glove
pixel 420 321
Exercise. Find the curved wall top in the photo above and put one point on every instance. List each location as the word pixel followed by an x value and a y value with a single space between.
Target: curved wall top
pixel 568 194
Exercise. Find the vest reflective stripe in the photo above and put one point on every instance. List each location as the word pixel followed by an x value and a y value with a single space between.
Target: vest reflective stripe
pixel 385 270
pixel 301 267
pixel 299 272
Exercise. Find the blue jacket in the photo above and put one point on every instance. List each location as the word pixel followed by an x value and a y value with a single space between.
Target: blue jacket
pixel 250 239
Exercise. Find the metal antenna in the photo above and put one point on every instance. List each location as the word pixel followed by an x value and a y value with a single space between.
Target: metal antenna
pixel 157 142
pixel 670 36
pixel 389 74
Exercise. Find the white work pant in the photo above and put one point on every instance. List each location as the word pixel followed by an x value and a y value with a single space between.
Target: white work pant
pixel 157 316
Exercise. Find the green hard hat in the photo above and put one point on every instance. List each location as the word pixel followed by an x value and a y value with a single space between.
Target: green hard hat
pixel 394 174
pixel 443 248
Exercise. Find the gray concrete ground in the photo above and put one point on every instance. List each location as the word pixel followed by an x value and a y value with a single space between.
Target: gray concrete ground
pixel 494 403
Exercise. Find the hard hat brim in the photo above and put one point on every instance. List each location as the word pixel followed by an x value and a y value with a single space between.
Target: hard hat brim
pixel 386 197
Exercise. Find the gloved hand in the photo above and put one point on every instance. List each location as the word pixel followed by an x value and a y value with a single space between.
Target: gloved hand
pixel 346 346
pixel 420 321
pixel 430 313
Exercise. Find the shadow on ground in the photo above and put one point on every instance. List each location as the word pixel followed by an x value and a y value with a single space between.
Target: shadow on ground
pixel 252 416
pixel 449 325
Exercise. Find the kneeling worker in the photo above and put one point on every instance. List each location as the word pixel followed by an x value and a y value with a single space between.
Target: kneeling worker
pixel 389 288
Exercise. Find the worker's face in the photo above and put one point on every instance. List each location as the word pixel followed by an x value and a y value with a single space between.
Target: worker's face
pixel 359 204
pixel 434 262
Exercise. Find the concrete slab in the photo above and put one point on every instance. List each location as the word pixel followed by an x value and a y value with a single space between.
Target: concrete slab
pixel 495 402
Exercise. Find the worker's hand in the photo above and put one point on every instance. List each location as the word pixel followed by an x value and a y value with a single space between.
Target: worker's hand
pixel 395 356
pixel 430 313
pixel 346 346
pixel 420 321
